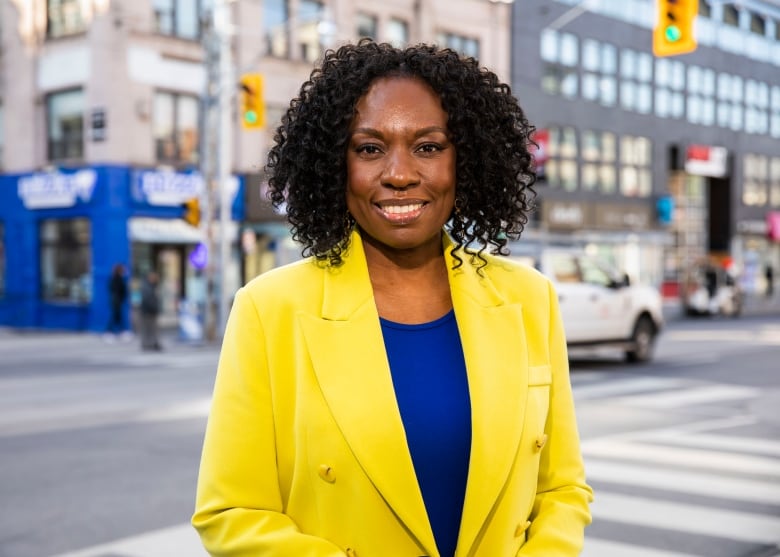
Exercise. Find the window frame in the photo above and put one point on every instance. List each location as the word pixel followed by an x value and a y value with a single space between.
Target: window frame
pixel 53 31
pixel 75 256
pixel 176 131
pixel 81 135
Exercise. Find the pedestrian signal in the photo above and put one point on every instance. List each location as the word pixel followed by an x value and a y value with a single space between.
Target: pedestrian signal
pixel 673 31
pixel 192 211
pixel 252 102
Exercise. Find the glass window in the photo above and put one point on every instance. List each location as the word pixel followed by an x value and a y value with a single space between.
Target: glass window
pixel 180 18
pixel 736 88
pixel 590 87
pixel 608 91
pixel 724 86
pixel 398 32
pixel 65 116
pixel 635 160
pixel 663 72
pixel 549 45
pixel 465 45
pixel 694 79
pixel 708 82
pixel 644 99
pixel 628 63
pixel 705 9
pixel 310 38
pixel 628 95
pixel 730 15
pixel 175 128
pixel 66 260
pixel 591 56
pixel 569 52
pixel 561 167
pixel 366 25
pixel 644 67
pixel 608 59
pixel 663 103
pixel 677 75
pixel 774 182
pixel 757 24
pixel 64 17
pixel 276 17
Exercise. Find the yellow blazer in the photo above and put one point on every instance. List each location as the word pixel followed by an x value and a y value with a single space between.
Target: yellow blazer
pixel 305 453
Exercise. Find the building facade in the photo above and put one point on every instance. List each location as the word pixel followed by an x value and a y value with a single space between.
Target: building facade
pixel 663 165
pixel 105 137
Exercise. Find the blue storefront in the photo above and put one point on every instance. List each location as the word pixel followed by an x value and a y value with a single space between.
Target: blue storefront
pixel 61 232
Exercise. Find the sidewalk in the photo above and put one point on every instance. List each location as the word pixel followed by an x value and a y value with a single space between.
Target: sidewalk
pixel 754 305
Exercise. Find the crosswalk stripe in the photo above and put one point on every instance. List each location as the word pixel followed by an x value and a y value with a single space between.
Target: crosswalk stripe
pixel 681 517
pixel 710 460
pixel 699 483
pixel 168 542
pixel 686 397
pixel 595 547
pixel 626 386
pixel 714 441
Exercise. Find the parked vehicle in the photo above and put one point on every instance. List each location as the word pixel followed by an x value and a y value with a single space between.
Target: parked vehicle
pixel 599 305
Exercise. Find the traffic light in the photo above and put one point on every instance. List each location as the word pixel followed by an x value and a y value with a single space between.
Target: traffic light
pixel 673 31
pixel 192 211
pixel 252 103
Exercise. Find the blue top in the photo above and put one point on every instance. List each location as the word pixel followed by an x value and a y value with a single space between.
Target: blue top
pixel 431 387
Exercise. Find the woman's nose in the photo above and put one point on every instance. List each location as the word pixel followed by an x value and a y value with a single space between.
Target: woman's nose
pixel 399 171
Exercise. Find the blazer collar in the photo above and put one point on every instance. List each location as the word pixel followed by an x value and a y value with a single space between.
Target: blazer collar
pixel 348 355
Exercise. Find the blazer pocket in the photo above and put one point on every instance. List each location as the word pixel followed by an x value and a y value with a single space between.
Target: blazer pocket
pixel 539 376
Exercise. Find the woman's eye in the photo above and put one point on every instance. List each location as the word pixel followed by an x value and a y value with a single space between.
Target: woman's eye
pixel 368 149
pixel 429 148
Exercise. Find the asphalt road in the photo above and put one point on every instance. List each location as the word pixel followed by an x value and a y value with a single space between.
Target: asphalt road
pixel 99 444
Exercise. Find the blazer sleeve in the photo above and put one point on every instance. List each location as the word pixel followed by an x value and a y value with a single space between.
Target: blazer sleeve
pixel 239 509
pixel 561 507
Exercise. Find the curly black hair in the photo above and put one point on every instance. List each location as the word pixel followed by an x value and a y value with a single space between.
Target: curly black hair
pixel 494 168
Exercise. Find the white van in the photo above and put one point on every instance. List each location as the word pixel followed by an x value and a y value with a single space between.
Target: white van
pixel 598 304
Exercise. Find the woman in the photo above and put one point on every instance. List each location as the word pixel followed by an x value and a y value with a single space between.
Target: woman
pixel 395 394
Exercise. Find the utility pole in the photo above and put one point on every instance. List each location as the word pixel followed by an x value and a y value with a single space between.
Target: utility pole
pixel 208 158
pixel 224 31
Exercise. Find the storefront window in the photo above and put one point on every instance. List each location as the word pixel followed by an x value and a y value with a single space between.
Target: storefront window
pixel 176 127
pixel 66 260
pixel 65 115
pixel 774 182
pixel 2 260
pixel 63 17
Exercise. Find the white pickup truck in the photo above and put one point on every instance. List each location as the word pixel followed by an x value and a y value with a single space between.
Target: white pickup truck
pixel 599 306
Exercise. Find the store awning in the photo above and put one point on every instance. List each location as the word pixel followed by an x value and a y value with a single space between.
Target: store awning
pixel 162 231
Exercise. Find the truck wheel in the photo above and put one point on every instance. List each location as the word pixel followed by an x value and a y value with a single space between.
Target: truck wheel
pixel 643 341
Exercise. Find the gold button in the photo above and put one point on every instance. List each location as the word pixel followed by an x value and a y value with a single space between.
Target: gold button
pixel 540 441
pixel 327 473
pixel 522 527
pixel 351 552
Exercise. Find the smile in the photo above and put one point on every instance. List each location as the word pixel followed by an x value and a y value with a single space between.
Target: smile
pixel 401 214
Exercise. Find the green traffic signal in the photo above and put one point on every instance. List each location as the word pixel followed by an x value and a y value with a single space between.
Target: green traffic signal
pixel 250 117
pixel 672 33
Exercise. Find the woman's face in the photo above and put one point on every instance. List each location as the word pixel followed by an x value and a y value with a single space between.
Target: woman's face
pixel 400 165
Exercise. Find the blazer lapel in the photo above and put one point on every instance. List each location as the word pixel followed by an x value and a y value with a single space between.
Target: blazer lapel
pixel 494 346
pixel 349 360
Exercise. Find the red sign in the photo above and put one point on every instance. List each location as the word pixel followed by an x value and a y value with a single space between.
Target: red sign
pixel 706 160
pixel 773 225
pixel 540 151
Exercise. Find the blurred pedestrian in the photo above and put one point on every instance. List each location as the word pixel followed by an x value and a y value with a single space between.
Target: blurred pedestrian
pixel 117 296
pixel 769 275
pixel 396 394
pixel 150 310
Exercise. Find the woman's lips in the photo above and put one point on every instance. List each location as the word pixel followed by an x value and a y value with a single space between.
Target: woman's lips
pixel 401 213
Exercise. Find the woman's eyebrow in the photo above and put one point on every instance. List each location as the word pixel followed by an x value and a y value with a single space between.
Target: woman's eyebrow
pixel 422 131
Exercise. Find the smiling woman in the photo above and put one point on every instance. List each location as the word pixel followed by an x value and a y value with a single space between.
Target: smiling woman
pixel 396 393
